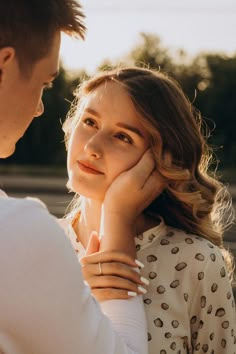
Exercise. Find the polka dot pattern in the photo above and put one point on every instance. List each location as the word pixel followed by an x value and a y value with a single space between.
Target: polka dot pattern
pixel 189 303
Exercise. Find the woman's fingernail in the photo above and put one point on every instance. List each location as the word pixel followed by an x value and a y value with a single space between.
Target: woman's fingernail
pixel 144 280
pixel 142 290
pixel 140 264
pixel 132 293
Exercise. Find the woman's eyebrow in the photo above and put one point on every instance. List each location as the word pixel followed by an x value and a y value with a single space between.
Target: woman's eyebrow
pixel 120 125
pixel 131 128
pixel 92 111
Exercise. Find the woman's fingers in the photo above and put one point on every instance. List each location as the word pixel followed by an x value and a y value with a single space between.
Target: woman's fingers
pixel 110 294
pixel 153 187
pixel 133 190
pixel 111 281
pixel 140 173
pixel 109 256
pixel 111 286
pixel 109 269
pixel 113 275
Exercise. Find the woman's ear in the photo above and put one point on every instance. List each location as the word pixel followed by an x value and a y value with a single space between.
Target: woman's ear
pixel 7 54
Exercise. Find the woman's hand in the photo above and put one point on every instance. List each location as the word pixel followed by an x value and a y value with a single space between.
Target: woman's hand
pixel 133 190
pixel 111 274
pixel 129 194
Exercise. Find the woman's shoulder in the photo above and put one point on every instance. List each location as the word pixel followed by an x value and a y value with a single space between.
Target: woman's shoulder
pixel 167 239
pixel 176 260
pixel 191 246
pixel 188 242
pixel 168 247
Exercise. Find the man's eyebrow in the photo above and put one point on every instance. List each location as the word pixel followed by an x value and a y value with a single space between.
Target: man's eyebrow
pixel 131 128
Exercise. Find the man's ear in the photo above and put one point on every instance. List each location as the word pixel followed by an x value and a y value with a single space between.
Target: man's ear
pixel 7 54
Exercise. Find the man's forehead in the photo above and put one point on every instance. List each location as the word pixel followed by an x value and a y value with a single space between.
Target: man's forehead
pixel 50 63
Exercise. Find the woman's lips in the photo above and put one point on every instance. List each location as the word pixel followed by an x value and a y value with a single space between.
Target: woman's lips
pixel 84 166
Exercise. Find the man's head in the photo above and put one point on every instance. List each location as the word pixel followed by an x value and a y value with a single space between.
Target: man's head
pixel 29 50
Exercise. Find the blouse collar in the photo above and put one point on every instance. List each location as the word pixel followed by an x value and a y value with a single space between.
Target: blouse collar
pixel 148 237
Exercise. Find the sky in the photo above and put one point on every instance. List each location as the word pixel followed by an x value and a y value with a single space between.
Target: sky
pixel 114 27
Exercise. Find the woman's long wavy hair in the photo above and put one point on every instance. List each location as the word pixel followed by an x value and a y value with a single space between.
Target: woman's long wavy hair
pixel 193 200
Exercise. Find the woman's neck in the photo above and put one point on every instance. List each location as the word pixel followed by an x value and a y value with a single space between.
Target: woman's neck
pixel 90 220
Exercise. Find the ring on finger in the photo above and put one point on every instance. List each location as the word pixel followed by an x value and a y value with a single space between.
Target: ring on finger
pixel 100 268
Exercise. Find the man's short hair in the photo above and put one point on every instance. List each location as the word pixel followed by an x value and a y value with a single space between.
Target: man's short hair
pixel 29 26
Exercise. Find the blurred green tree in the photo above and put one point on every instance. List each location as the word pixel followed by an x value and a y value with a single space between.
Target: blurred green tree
pixel 218 102
pixel 209 80
pixel 150 52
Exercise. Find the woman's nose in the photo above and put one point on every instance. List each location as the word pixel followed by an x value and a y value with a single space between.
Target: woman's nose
pixel 94 146
pixel 40 109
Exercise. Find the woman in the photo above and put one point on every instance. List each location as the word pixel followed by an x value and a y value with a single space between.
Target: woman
pixel 119 116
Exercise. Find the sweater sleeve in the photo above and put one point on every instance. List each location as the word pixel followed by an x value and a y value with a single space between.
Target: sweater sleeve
pixel 129 320
pixel 44 305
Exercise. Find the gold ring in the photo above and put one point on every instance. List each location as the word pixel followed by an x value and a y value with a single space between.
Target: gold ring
pixel 100 268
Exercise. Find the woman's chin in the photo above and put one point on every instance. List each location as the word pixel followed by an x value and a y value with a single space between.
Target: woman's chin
pixel 85 191
pixel 90 195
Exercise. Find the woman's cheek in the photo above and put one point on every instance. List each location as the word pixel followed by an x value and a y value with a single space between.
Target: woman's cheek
pixel 120 164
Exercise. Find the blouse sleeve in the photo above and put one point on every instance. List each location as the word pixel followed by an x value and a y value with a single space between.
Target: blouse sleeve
pixel 212 317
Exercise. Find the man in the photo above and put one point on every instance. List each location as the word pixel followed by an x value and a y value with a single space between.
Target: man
pixel 45 308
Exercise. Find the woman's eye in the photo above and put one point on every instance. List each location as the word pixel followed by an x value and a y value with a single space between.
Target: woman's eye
pixel 90 122
pixel 125 138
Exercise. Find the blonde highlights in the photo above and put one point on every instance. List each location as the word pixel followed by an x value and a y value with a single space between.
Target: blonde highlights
pixel 193 200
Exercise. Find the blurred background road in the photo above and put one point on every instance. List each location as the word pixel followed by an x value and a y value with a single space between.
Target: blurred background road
pixel 51 190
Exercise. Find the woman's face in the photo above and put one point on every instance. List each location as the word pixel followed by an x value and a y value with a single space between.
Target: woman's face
pixel 108 139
